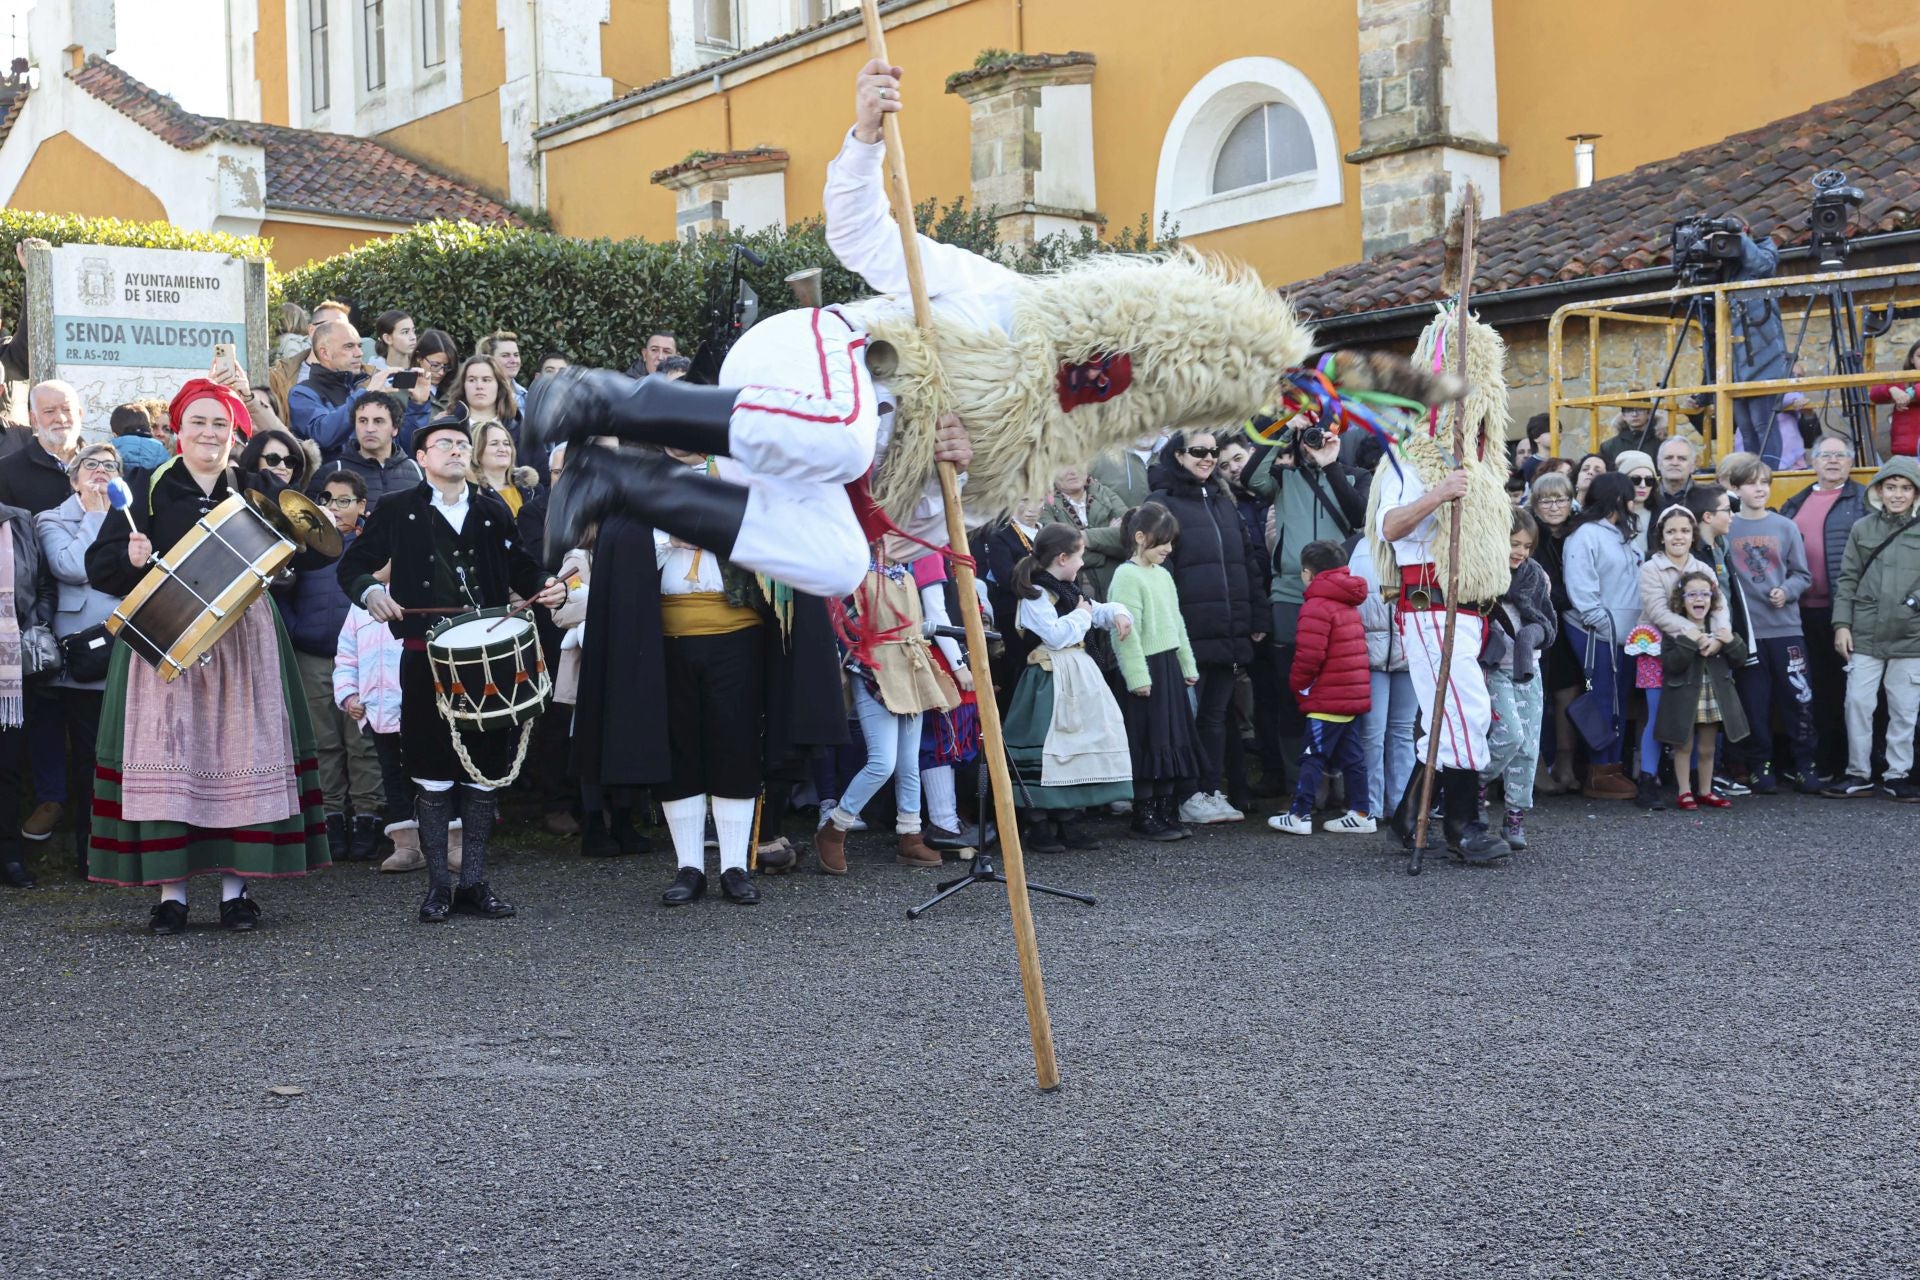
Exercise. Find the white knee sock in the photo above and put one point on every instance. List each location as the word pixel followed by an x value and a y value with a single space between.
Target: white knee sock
pixel 176 892
pixel 231 887
pixel 936 789
pixel 687 822
pixel 733 822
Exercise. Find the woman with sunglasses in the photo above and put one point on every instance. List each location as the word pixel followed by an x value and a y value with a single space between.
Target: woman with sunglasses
pixel 1644 480
pixel 277 454
pixel 1551 503
pixel 1601 559
pixel 1216 569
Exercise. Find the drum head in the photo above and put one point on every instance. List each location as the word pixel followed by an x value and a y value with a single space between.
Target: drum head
pixel 467 632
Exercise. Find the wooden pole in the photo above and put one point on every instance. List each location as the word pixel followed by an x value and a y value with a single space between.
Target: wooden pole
pixel 992 746
pixel 1418 853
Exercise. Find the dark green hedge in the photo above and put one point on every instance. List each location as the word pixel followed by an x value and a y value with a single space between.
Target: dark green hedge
pixel 598 299
pixel 64 228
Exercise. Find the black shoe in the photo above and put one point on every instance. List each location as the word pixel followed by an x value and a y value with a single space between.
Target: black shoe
pixel 1646 793
pixel 1039 837
pixel 477 900
pixel 739 887
pixel 365 842
pixel 597 842
pixel 339 847
pixel 578 402
pixel 688 886
pixel 653 488
pixel 15 875
pixel 951 841
pixel 437 905
pixel 1851 787
pixel 241 914
pixel 1168 810
pixel 168 918
pixel 1905 790
pixel 1074 838
pixel 1467 837
pixel 1402 825
pixel 1150 824
pixel 1763 782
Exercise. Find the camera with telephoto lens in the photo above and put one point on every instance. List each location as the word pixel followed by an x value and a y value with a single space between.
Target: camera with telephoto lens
pixel 1705 249
pixel 1307 437
pixel 1834 203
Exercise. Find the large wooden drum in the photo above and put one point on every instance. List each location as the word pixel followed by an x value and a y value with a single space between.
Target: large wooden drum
pixel 196 592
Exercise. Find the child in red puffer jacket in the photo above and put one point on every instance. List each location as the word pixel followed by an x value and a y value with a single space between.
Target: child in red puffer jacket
pixel 1331 681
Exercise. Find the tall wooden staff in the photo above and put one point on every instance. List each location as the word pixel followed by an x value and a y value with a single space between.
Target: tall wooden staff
pixel 1417 854
pixel 992 746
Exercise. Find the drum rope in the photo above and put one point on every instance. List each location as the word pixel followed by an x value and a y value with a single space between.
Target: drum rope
pixel 466 761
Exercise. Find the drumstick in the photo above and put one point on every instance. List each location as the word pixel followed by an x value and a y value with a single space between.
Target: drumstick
pixel 572 582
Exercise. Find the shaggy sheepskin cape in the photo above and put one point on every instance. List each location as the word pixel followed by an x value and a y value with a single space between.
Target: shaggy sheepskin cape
pixel 1486 518
pixel 1206 341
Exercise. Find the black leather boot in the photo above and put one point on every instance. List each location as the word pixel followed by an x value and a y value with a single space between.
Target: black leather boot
pixel 1467 837
pixel 1403 823
pixel 654 489
pixel 575 403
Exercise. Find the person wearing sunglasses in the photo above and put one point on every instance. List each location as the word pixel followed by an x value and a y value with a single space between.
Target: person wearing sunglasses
pixel 1216 568
pixel 277 454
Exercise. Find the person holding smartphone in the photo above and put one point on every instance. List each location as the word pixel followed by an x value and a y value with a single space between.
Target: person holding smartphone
pixel 321 408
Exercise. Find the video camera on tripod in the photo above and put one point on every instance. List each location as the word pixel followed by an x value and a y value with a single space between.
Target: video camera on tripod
pixel 1834 202
pixel 1706 250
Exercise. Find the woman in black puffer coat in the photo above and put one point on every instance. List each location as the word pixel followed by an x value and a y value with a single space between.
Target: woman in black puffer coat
pixel 1217 568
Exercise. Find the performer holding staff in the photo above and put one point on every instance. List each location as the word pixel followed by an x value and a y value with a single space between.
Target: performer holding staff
pixel 445 543
pixel 213 772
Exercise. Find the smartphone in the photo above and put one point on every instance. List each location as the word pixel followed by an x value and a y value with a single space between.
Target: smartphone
pixel 403 379
pixel 226 356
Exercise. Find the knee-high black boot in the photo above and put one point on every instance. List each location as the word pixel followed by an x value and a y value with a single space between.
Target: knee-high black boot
pixel 1406 814
pixel 575 403
pixel 651 487
pixel 1467 835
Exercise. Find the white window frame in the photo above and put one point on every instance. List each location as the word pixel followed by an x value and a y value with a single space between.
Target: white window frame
pixel 1183 185
pixel 373 35
pixel 704 40
pixel 319 80
pixel 433 34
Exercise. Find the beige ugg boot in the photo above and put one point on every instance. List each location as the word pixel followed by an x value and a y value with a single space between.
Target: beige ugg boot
pixel 406 855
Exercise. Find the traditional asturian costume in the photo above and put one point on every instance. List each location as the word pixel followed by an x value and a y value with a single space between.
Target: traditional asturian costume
pixel 1419 460
pixel 215 771
pixel 1064 732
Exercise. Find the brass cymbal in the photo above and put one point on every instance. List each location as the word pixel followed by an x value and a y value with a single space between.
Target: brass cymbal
pixel 313 528
pixel 272 514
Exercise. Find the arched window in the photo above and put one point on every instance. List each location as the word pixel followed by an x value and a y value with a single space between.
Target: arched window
pixel 1271 141
pixel 1252 140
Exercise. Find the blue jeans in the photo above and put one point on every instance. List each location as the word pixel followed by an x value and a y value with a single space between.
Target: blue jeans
pixel 1612 677
pixel 1386 739
pixel 893 751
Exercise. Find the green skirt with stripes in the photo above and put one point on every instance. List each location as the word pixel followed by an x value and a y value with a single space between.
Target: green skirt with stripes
pixel 149 853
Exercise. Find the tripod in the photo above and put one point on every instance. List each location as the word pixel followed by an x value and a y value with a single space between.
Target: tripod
pixel 982 870
pixel 1846 334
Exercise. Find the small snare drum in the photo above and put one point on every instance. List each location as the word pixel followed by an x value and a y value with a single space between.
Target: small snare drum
pixel 487 670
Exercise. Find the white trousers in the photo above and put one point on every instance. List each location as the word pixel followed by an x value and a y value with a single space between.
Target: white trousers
pixel 1901 676
pixel 803 427
pixel 1462 738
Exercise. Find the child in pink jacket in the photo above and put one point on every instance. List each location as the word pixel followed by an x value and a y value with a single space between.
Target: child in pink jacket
pixel 366 685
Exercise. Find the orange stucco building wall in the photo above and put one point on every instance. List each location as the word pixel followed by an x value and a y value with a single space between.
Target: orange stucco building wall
pixel 296 244
pixel 1656 78
pixel 270 62
pixel 465 139
pixel 67 176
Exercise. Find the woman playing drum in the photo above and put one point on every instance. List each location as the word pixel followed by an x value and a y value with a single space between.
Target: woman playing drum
pixel 215 771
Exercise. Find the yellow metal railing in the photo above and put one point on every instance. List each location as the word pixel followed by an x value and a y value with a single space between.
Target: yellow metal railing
pixel 1867 287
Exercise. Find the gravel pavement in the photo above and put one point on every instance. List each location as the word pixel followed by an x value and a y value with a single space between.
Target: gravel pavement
pixel 1661 1045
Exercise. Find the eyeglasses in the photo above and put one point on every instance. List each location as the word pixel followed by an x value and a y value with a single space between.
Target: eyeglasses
pixel 1642 482
pixel 341 504
pixel 447 446
pixel 434 365
pixel 1555 502
pixel 275 460
pixel 101 464
pixel 1697 595
pixel 1201 451
pixel 1829 455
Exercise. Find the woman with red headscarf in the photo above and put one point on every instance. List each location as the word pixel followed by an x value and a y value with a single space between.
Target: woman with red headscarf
pixel 214 772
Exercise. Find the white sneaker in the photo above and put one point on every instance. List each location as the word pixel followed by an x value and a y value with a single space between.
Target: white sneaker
pixel 1120 808
pixel 1352 823
pixel 1291 825
pixel 1226 811
pixel 1197 810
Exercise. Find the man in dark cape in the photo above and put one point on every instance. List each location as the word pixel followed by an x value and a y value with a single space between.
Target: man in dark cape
pixel 620 724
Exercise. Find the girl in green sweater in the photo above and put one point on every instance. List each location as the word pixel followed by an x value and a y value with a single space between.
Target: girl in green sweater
pixel 1156 666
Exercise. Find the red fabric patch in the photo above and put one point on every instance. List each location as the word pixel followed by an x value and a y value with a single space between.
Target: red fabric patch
pixel 1094 382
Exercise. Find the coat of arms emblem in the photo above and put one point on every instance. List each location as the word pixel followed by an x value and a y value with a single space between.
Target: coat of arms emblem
pixel 96 282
